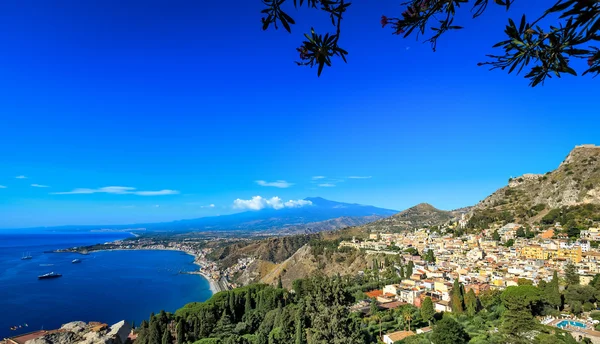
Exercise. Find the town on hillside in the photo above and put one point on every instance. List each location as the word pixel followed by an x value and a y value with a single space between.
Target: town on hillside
pixel 435 262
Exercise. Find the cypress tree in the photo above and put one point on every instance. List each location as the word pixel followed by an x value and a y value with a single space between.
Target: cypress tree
pixel 552 292
pixel 457 298
pixel 427 310
pixel 279 283
pixel 299 334
pixel 154 335
pixel 471 303
pixel 232 306
pixel 181 331
pixel 167 338
pixel 248 304
pixel 409 269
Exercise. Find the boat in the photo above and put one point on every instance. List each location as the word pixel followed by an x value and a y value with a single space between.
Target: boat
pixel 26 257
pixel 75 261
pixel 49 275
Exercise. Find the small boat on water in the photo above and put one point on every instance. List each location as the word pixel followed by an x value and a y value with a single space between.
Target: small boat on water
pixel 75 261
pixel 49 275
pixel 26 256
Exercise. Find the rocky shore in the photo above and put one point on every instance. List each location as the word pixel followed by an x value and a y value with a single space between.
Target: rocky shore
pixel 79 332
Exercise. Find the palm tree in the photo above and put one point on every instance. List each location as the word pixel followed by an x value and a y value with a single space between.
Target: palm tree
pixel 407 315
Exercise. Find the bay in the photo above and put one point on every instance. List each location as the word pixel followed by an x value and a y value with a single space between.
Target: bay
pixel 107 286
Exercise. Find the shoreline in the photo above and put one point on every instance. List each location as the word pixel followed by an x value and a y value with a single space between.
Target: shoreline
pixel 214 286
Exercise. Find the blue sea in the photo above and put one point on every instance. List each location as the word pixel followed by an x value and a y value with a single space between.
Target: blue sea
pixel 107 286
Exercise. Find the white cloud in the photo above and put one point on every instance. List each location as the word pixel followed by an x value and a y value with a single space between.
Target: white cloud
pixel 2 187
pixel 157 206
pixel 258 203
pixel 282 184
pixel 297 204
pixel 39 186
pixel 360 177
pixel 207 206
pixel 318 177
pixel 327 185
pixel 21 177
pixel 118 190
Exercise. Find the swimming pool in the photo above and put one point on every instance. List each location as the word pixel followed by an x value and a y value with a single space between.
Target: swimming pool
pixel 564 324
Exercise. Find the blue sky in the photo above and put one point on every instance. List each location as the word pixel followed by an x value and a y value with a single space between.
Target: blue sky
pixel 187 104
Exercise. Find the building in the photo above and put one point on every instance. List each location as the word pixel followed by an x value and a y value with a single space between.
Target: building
pixel 571 254
pixel 391 338
pixel 534 252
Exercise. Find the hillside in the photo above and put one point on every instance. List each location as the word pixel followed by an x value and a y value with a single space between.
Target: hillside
pixel 421 215
pixel 528 198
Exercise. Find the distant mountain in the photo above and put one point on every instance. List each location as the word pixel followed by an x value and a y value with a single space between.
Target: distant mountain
pixel 298 218
pixel 421 215
pixel 320 214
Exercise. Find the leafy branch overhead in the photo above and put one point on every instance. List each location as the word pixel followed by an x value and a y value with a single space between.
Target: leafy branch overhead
pixel 544 51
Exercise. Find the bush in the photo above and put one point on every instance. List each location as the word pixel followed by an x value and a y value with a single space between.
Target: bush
pixel 588 306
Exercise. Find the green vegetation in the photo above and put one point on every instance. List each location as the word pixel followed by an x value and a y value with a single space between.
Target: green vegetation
pixel 317 312
pixel 573 219
pixel 482 219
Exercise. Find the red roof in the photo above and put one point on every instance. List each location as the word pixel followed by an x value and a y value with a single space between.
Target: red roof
pixel 374 293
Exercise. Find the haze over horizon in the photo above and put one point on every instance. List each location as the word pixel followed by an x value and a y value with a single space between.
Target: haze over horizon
pixel 113 113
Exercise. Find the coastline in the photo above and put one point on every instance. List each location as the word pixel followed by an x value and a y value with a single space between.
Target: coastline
pixel 214 286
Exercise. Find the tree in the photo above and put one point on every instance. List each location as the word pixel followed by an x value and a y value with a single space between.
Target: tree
pixel 520 232
pixel 552 292
pixel 299 336
pixel 154 335
pixel 509 243
pixel 180 331
pixel 571 274
pixel 427 310
pixel 409 269
pixel 374 308
pixel 457 297
pixel 496 235
pixel 279 283
pixel 430 256
pixel 167 338
pixel 407 316
pixel 448 331
pixel 471 303
pixel 522 304
pixel 549 50
pixel 524 281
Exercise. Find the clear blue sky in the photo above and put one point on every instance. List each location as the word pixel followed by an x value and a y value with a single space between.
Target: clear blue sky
pixel 191 103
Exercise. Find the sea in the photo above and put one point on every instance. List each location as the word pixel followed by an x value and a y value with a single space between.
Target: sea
pixel 107 286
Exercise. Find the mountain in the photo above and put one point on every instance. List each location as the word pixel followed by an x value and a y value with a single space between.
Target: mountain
pixel 529 197
pixel 298 218
pixel 421 215
pixel 316 215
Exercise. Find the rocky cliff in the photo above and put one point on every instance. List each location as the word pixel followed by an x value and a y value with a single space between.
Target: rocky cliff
pixel 575 181
pixel 82 333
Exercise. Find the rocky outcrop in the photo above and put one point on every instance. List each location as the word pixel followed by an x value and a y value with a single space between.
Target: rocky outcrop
pixel 576 181
pixel 82 333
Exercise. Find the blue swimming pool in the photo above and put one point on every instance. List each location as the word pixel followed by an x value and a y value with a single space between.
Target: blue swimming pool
pixel 564 324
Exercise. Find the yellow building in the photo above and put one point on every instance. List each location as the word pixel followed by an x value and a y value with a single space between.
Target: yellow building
pixel 534 252
pixel 572 254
